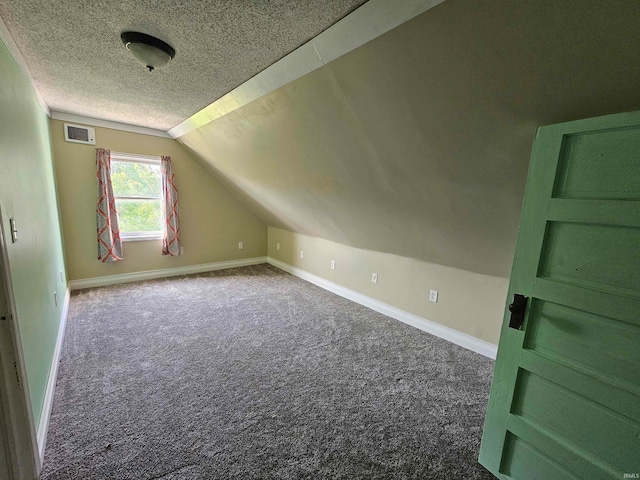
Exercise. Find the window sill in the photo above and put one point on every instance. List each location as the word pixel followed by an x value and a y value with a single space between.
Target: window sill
pixel 140 237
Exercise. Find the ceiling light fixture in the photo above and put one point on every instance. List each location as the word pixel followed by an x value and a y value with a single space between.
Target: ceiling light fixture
pixel 151 51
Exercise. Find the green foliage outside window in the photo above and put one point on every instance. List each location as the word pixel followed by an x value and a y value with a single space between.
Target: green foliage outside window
pixel 139 215
pixel 130 179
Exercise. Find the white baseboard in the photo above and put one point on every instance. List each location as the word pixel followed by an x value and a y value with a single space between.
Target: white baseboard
pixel 43 426
pixel 162 273
pixel 467 341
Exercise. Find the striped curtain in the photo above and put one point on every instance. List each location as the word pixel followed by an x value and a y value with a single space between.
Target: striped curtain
pixel 171 238
pixel 109 243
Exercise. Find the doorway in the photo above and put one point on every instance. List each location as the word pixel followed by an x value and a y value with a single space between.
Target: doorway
pixel 18 447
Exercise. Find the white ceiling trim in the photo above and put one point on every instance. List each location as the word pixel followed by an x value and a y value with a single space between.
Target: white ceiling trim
pixel 96 122
pixel 359 27
pixel 7 39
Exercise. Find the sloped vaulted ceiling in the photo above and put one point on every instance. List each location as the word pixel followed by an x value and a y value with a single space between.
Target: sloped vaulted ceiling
pixel 418 142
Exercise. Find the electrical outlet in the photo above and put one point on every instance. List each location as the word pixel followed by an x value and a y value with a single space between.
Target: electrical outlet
pixel 55 298
pixel 301 254
pixel 278 246
pixel 240 245
pixel 333 264
pixel 374 277
pixel 181 250
pixel 433 296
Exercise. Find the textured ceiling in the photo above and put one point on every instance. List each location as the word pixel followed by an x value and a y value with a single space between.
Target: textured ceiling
pixel 80 66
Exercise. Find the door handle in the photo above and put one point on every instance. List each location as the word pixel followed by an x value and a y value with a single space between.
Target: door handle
pixel 517 309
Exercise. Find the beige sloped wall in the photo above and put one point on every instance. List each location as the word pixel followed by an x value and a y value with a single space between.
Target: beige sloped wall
pixel 468 302
pixel 212 220
pixel 418 142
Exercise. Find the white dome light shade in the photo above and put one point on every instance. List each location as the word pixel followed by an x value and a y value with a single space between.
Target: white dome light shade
pixel 150 51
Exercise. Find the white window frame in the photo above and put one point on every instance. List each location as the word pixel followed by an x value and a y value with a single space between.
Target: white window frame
pixel 145 160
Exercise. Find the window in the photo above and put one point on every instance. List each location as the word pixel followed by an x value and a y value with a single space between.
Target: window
pixel 137 188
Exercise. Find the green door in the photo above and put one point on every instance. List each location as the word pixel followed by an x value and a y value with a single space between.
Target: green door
pixel 565 398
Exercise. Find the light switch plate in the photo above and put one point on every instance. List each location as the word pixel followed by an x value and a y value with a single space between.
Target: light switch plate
pixel 14 230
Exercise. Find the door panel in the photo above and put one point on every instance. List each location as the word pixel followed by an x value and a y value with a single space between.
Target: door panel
pixel 607 392
pixel 577 338
pixel 566 418
pixel 603 164
pixel 602 256
pixel 553 450
pixel 531 464
pixel 565 398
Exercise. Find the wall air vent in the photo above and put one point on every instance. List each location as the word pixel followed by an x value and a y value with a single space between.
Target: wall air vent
pixel 79 134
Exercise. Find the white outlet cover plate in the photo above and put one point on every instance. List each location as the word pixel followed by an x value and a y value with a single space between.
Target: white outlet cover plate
pixel 277 246
pixel 333 264
pixel 374 277
pixel 240 245
pixel 433 296
pixel 301 254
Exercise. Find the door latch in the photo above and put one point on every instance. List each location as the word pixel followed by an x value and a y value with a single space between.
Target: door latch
pixel 517 309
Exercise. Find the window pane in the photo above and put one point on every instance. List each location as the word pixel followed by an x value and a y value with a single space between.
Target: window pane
pixel 130 179
pixel 139 215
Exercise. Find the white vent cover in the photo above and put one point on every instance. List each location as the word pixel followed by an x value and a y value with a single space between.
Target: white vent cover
pixel 79 134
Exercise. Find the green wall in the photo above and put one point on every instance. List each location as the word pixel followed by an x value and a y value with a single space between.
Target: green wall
pixel 27 193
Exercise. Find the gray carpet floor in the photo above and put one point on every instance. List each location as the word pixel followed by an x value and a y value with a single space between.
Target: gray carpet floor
pixel 252 373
